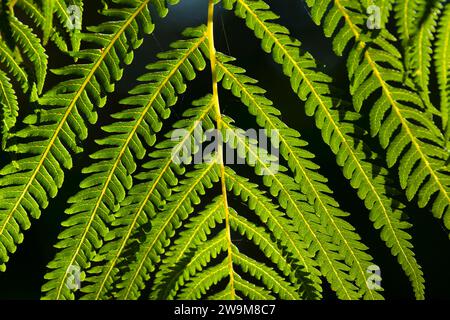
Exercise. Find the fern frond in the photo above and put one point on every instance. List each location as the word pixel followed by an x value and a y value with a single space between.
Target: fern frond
pixel 285 51
pixel 175 270
pixel 142 202
pixel 410 137
pixel 31 47
pixel 146 198
pixel 300 256
pixel 408 13
pixel 311 231
pixel 442 65
pixel 178 267
pixel 250 290
pixel 338 132
pixel 55 130
pixel 37 15
pixel 266 275
pixel 419 53
pixel 9 106
pixel 110 177
pixel 48 7
pixel 200 284
pixel 270 249
pixel 62 12
pixel 13 68
pixel 178 207
pixel 225 294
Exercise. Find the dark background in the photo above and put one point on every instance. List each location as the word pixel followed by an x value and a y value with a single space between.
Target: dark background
pixel 24 276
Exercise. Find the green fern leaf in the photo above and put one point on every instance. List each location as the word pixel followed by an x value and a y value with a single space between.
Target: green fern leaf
pixel 178 207
pixel 175 270
pixel 419 53
pixel 59 125
pixel 418 146
pixel 63 12
pixel 32 48
pixel 285 51
pixel 142 123
pixel 13 68
pixel 441 58
pixel 36 14
pixel 48 9
pixel 319 238
pixel 9 106
pixel 407 13
pixel 351 156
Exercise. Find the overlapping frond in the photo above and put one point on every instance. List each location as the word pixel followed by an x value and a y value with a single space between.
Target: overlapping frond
pixel 297 264
pixel 310 86
pixel 167 211
pixel 442 66
pixel 339 131
pixel 407 14
pixel 9 106
pixel 408 133
pixel 142 202
pixel 8 96
pixel 30 47
pixel 419 52
pixel 48 7
pixel 176 268
pixel 196 253
pixel 53 133
pixel 179 206
pixel 317 241
pixel 41 17
pixel 110 176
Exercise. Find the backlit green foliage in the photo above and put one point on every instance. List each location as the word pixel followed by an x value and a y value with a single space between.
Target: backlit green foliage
pixel 141 221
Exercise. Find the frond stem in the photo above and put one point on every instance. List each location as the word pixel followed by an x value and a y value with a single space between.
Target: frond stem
pixel 218 119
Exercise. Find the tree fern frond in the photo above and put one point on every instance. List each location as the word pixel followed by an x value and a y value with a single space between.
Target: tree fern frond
pixel 300 256
pixel 36 14
pixel 199 285
pixel 12 67
pixel 271 250
pixel 182 266
pixel 62 12
pixel 173 271
pixel 338 132
pixel 204 253
pixel 48 7
pixel 250 290
pixel 55 130
pixel 410 137
pixel 309 225
pixel 9 106
pixel 31 47
pixel 143 201
pixel 178 207
pixel 407 13
pixel 110 177
pixel 286 52
pixel 419 53
pixel 266 275
pixel 442 65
